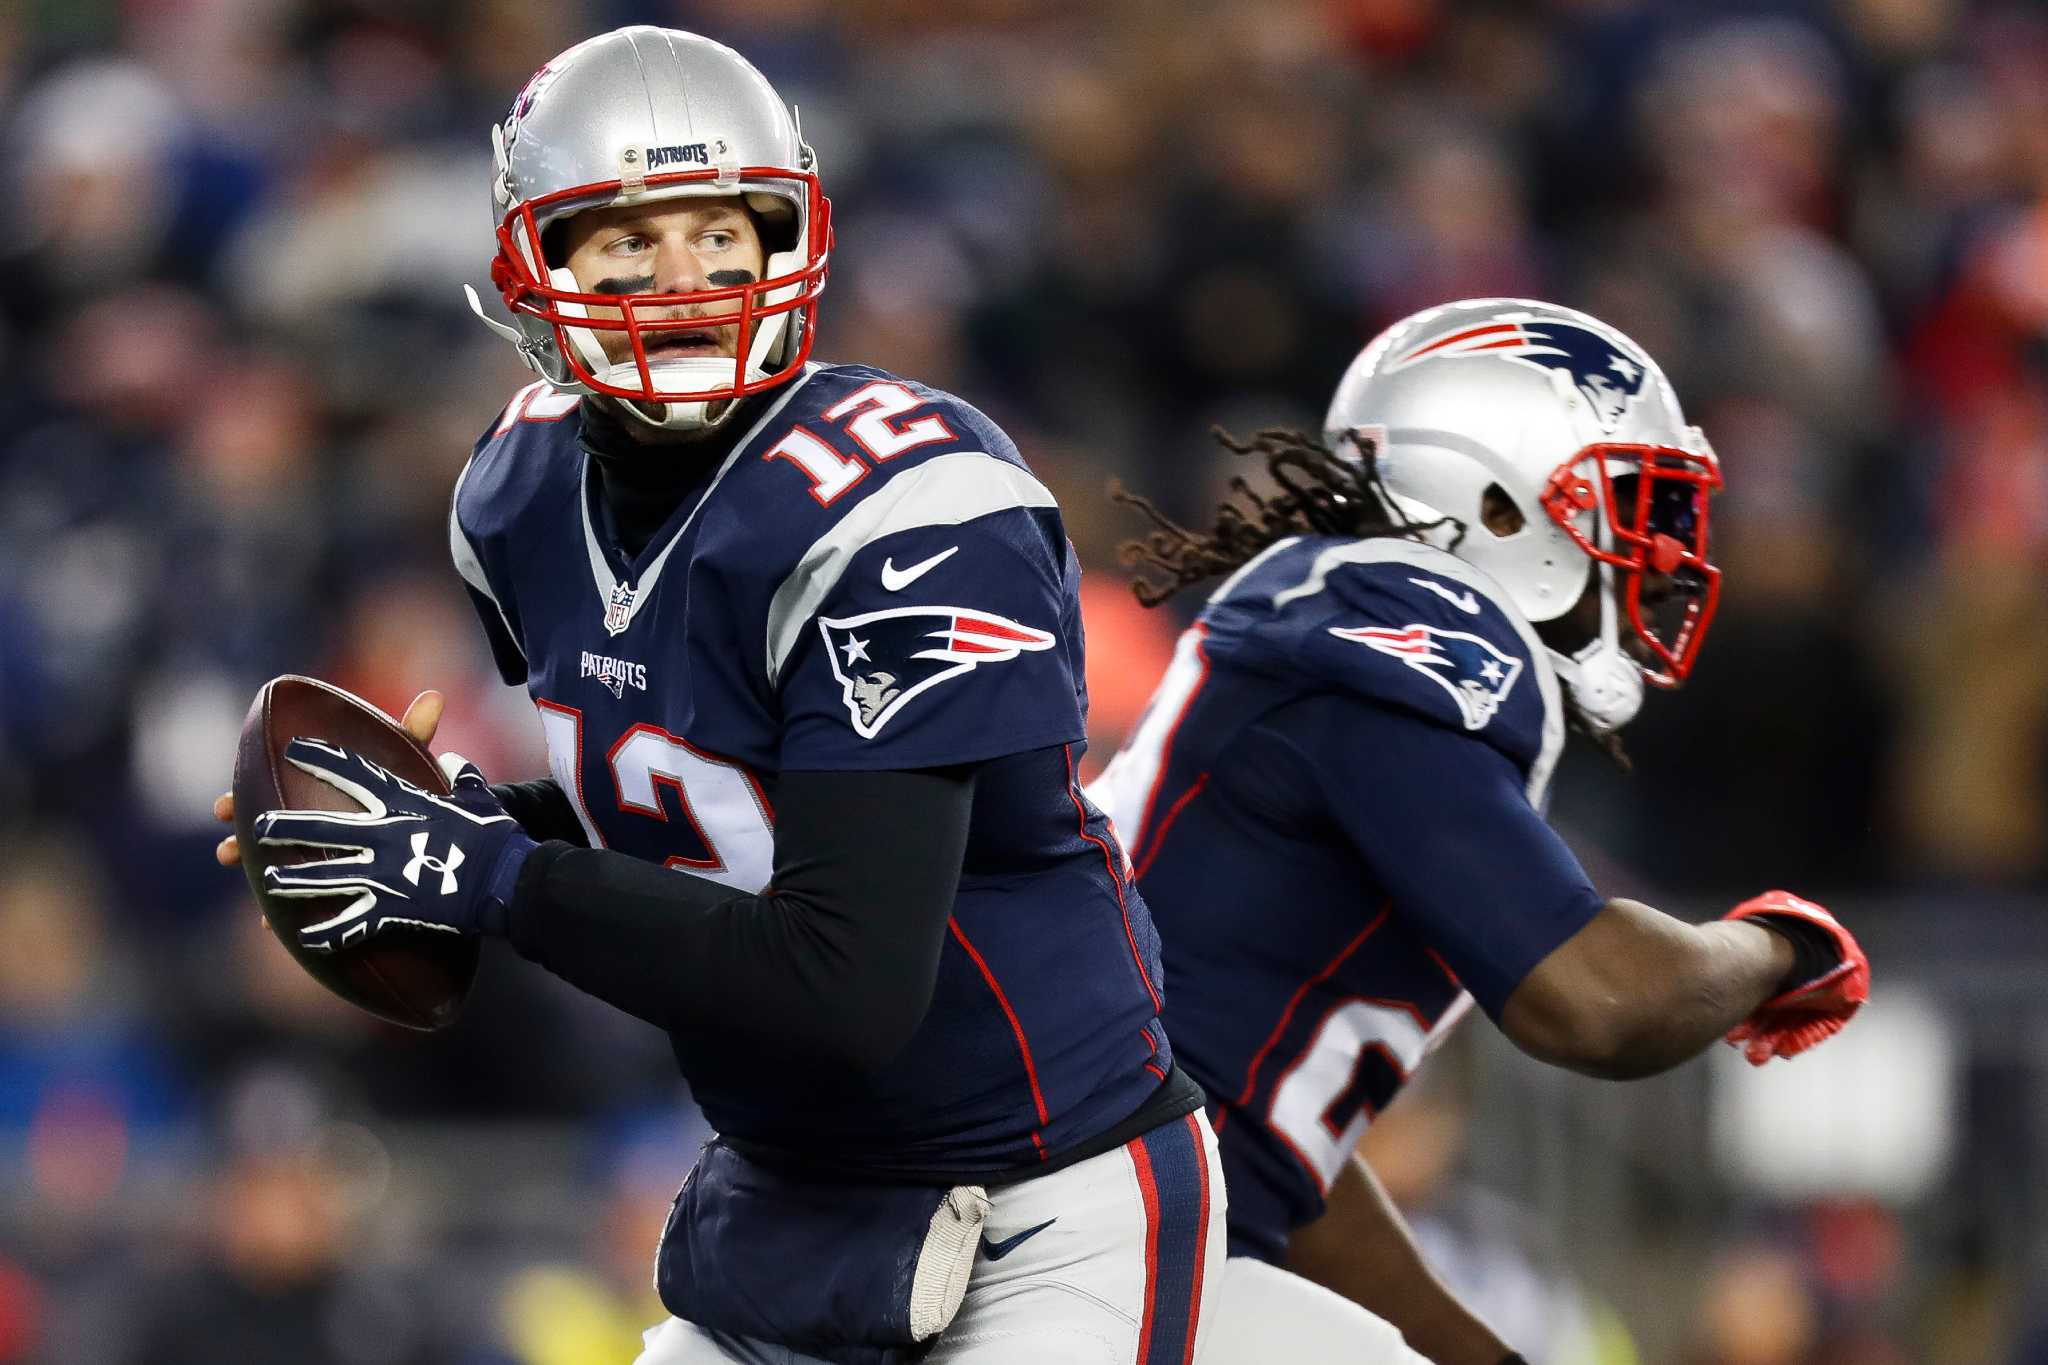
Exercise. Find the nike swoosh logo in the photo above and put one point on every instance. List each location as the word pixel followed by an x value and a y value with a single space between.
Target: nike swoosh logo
pixel 1463 601
pixel 896 580
pixel 995 1251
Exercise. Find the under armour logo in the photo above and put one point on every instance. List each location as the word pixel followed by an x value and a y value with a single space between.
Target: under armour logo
pixel 420 860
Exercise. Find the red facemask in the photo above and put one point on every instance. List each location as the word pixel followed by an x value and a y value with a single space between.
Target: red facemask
pixel 1656 499
pixel 645 316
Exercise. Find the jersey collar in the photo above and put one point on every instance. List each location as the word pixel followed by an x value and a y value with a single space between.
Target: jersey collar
pixel 621 601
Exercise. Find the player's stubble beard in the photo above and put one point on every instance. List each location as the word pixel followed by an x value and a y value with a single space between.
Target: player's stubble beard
pixel 641 433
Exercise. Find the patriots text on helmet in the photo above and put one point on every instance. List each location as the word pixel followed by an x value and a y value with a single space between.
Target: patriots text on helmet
pixel 685 154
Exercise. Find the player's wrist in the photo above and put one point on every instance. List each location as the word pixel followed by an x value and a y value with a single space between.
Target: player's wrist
pixel 494 910
pixel 524 905
pixel 1820 947
pixel 1814 951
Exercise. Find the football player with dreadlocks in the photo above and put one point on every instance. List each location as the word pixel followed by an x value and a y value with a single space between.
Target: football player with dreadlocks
pixel 765 608
pixel 1334 801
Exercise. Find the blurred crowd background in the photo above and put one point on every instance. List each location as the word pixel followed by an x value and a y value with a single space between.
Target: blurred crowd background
pixel 240 381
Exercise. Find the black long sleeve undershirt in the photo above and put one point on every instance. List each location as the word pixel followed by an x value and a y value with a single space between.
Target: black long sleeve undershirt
pixel 542 809
pixel 834 962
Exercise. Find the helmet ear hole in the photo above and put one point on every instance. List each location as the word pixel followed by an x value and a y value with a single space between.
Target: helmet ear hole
pixel 774 219
pixel 554 247
pixel 1498 513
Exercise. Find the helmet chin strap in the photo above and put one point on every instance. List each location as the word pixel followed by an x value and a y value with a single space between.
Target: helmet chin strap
pixel 1604 681
pixel 679 376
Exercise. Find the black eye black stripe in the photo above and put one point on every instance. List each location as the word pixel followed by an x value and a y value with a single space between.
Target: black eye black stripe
pixel 642 284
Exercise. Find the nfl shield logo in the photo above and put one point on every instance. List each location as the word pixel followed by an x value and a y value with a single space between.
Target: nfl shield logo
pixel 618 609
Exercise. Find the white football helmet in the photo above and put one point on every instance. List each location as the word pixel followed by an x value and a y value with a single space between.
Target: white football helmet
pixel 1571 423
pixel 636 116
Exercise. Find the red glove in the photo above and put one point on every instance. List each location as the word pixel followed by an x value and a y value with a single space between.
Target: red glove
pixel 1815 1009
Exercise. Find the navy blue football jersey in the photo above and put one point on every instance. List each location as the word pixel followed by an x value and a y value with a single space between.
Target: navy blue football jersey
pixel 869 579
pixel 1333 806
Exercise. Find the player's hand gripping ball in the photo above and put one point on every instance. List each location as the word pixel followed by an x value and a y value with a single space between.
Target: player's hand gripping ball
pixel 411 975
pixel 408 860
pixel 1814 1010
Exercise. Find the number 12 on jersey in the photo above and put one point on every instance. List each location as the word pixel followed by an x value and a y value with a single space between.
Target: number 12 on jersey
pixel 873 416
pixel 727 828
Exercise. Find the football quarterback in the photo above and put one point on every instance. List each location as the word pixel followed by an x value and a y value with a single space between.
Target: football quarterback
pixel 804 641
pixel 1334 801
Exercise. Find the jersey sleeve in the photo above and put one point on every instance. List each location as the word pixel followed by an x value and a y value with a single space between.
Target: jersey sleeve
pixel 943 628
pixel 1445 824
pixel 490 603
pixel 1407 627
pixel 1446 653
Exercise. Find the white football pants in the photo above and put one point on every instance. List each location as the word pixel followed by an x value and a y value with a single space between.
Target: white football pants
pixel 1124 1271
pixel 1266 1316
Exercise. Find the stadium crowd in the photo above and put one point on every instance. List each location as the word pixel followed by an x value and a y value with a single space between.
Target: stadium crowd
pixel 242 380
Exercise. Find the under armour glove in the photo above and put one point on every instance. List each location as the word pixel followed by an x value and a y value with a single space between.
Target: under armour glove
pixel 411 858
pixel 1829 981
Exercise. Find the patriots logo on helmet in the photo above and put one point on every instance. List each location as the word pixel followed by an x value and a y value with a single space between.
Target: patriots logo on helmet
pixel 522 103
pixel 885 658
pixel 1607 376
pixel 1477 675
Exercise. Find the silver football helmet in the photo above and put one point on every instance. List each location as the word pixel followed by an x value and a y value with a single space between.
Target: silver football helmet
pixel 637 116
pixel 1491 401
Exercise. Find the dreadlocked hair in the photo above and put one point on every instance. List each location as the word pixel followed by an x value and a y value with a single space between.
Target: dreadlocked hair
pixel 1321 493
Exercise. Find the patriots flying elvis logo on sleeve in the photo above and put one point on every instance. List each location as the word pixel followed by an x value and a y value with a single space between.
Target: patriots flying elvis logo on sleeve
pixel 1477 675
pixel 885 658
